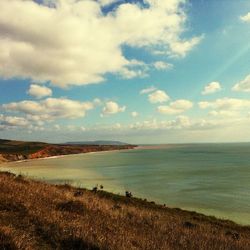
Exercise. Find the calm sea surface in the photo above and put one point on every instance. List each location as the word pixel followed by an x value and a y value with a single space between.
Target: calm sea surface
pixel 210 178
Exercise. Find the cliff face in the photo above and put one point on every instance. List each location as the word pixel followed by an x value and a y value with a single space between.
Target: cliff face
pixel 66 150
pixel 12 157
pixel 2 159
pixel 56 150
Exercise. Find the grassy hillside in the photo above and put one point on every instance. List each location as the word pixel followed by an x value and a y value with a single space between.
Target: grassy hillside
pixel 36 215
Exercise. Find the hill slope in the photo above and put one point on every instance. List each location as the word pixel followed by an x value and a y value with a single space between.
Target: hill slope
pixel 21 150
pixel 38 216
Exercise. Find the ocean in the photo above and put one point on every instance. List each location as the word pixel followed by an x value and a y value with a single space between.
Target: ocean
pixel 213 179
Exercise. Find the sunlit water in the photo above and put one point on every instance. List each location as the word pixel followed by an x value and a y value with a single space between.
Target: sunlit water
pixel 210 178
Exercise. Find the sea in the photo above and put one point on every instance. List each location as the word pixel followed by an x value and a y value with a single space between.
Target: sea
pixel 213 179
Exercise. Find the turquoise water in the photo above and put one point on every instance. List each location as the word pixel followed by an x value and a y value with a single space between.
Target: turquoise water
pixel 210 178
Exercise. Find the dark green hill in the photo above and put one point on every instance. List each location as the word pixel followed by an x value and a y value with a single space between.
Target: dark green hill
pixel 20 147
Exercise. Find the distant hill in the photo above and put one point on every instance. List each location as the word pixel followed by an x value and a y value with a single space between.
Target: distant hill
pixel 115 143
pixel 20 147
pixel 22 150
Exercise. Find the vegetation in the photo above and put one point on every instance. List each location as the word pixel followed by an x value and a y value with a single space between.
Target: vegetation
pixel 35 215
pixel 20 147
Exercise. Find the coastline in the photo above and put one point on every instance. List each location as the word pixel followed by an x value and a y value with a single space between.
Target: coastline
pixel 83 219
pixel 92 179
pixel 117 189
pixel 62 156
pixel 116 148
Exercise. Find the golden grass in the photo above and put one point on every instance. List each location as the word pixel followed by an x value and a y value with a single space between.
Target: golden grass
pixel 35 215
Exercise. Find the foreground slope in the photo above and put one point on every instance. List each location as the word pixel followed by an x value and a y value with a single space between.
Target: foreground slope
pixel 36 215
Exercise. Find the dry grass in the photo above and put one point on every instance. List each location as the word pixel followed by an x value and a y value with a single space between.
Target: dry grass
pixel 36 215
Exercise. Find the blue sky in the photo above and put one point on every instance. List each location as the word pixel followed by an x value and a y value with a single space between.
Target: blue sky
pixel 137 71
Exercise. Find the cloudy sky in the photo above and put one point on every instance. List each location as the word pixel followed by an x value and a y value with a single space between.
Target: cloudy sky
pixel 140 71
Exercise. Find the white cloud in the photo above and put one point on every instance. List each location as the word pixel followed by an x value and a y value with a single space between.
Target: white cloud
pixel 129 74
pixel 243 85
pixel 112 108
pixel 39 91
pixel 134 114
pixel 245 18
pixel 176 107
pixel 158 96
pixel 50 108
pixel 159 65
pixel 57 127
pixel 147 90
pixel 223 113
pixel 32 128
pixel 74 43
pixel 97 101
pixel 106 2
pixel 179 123
pixel 181 48
pixel 7 122
pixel 82 128
pixel 27 107
pixel 211 88
pixel 117 126
pixel 226 104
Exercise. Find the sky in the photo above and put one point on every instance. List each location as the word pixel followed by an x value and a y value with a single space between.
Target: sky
pixel 139 71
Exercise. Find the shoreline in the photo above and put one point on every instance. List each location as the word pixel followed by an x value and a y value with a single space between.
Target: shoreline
pixel 117 189
pixel 61 156
pixel 5 161
pixel 6 166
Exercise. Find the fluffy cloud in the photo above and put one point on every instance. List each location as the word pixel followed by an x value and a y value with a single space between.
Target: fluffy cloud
pixel 223 113
pixel 7 122
pixel 134 114
pixel 39 91
pixel 181 48
pixel 158 96
pixel 211 88
pixel 179 123
pixel 226 104
pixel 245 18
pixel 243 85
pixel 147 90
pixel 27 107
pixel 74 43
pixel 50 109
pixel 82 128
pixel 112 108
pixel 159 65
pixel 176 107
pixel 106 2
